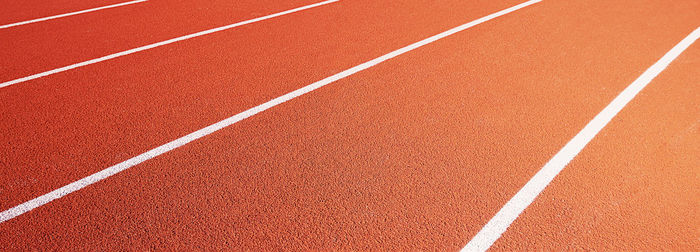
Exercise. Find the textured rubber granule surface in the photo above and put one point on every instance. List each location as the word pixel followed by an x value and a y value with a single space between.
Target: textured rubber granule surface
pixel 418 152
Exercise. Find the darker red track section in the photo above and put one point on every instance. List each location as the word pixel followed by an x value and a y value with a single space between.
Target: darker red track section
pixel 19 11
pixel 69 125
pixel 39 47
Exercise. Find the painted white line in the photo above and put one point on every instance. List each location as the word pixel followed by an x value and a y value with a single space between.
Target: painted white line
pixel 77 185
pixel 162 43
pixel 69 14
pixel 516 205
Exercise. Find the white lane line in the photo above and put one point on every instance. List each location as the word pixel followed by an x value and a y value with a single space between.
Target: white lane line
pixel 162 43
pixel 69 14
pixel 516 205
pixel 77 185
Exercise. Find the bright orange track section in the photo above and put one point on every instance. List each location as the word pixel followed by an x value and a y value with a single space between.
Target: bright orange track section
pixel 418 152
pixel 636 185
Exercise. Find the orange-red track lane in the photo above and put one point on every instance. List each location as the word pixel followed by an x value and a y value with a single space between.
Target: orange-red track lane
pixel 38 47
pixel 18 11
pixel 636 186
pixel 417 152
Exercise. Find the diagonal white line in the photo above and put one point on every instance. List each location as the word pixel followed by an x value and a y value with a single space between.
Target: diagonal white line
pixel 162 43
pixel 94 178
pixel 516 205
pixel 69 14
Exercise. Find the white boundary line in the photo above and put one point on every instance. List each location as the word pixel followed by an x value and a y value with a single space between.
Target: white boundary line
pixel 82 183
pixel 516 205
pixel 69 14
pixel 162 43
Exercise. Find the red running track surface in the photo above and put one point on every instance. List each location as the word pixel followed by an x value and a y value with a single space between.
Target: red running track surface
pixel 418 152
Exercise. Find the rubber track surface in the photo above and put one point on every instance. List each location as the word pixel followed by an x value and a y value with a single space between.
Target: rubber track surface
pixel 418 152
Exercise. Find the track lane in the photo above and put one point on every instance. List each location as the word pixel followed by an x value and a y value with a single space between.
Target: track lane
pixel 17 11
pixel 75 123
pixel 275 183
pixel 635 187
pixel 63 15
pixel 37 48
pixel 527 194
pixel 164 43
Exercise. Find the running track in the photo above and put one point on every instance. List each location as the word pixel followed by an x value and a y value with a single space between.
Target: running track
pixel 423 150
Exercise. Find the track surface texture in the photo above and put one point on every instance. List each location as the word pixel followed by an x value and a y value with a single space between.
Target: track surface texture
pixel 418 152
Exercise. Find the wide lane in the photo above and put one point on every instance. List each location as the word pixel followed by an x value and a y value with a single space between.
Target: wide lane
pixel 636 185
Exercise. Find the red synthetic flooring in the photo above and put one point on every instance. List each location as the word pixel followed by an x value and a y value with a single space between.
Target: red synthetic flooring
pixel 418 152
